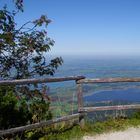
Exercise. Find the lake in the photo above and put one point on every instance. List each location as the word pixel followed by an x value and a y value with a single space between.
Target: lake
pixel 103 67
pixel 131 95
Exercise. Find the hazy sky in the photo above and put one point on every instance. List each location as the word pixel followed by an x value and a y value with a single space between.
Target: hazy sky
pixel 97 27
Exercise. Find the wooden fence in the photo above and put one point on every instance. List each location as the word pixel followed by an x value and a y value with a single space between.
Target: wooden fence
pixel 80 80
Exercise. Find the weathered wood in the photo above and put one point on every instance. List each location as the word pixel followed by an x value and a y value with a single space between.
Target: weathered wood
pixel 104 108
pixel 79 96
pixel 108 80
pixel 82 120
pixel 45 80
pixel 80 105
pixel 37 125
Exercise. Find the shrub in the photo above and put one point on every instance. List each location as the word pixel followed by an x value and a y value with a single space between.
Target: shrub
pixel 136 114
pixel 17 111
pixel 12 115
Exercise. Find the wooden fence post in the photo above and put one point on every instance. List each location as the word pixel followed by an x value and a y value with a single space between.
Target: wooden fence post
pixel 80 105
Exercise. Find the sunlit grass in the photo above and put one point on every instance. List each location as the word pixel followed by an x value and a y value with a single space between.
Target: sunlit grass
pixel 92 129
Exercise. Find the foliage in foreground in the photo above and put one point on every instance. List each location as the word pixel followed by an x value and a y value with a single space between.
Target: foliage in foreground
pixel 17 110
pixel 12 114
pixel 23 53
pixel 23 50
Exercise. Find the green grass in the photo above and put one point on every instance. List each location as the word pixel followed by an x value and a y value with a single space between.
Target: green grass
pixel 76 133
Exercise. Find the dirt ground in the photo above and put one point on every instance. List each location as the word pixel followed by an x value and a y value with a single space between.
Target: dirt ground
pixel 129 134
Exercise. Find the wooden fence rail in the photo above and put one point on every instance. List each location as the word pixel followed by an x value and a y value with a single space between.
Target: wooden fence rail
pixel 39 124
pixel 82 109
pixel 35 81
pixel 107 80
pixel 80 80
pixel 105 108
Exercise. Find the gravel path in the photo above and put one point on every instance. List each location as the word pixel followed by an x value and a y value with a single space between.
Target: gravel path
pixel 129 134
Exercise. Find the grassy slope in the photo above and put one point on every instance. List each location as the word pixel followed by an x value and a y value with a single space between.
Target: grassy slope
pixel 93 129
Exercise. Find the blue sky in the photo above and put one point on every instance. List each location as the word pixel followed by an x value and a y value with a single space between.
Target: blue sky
pixel 93 27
